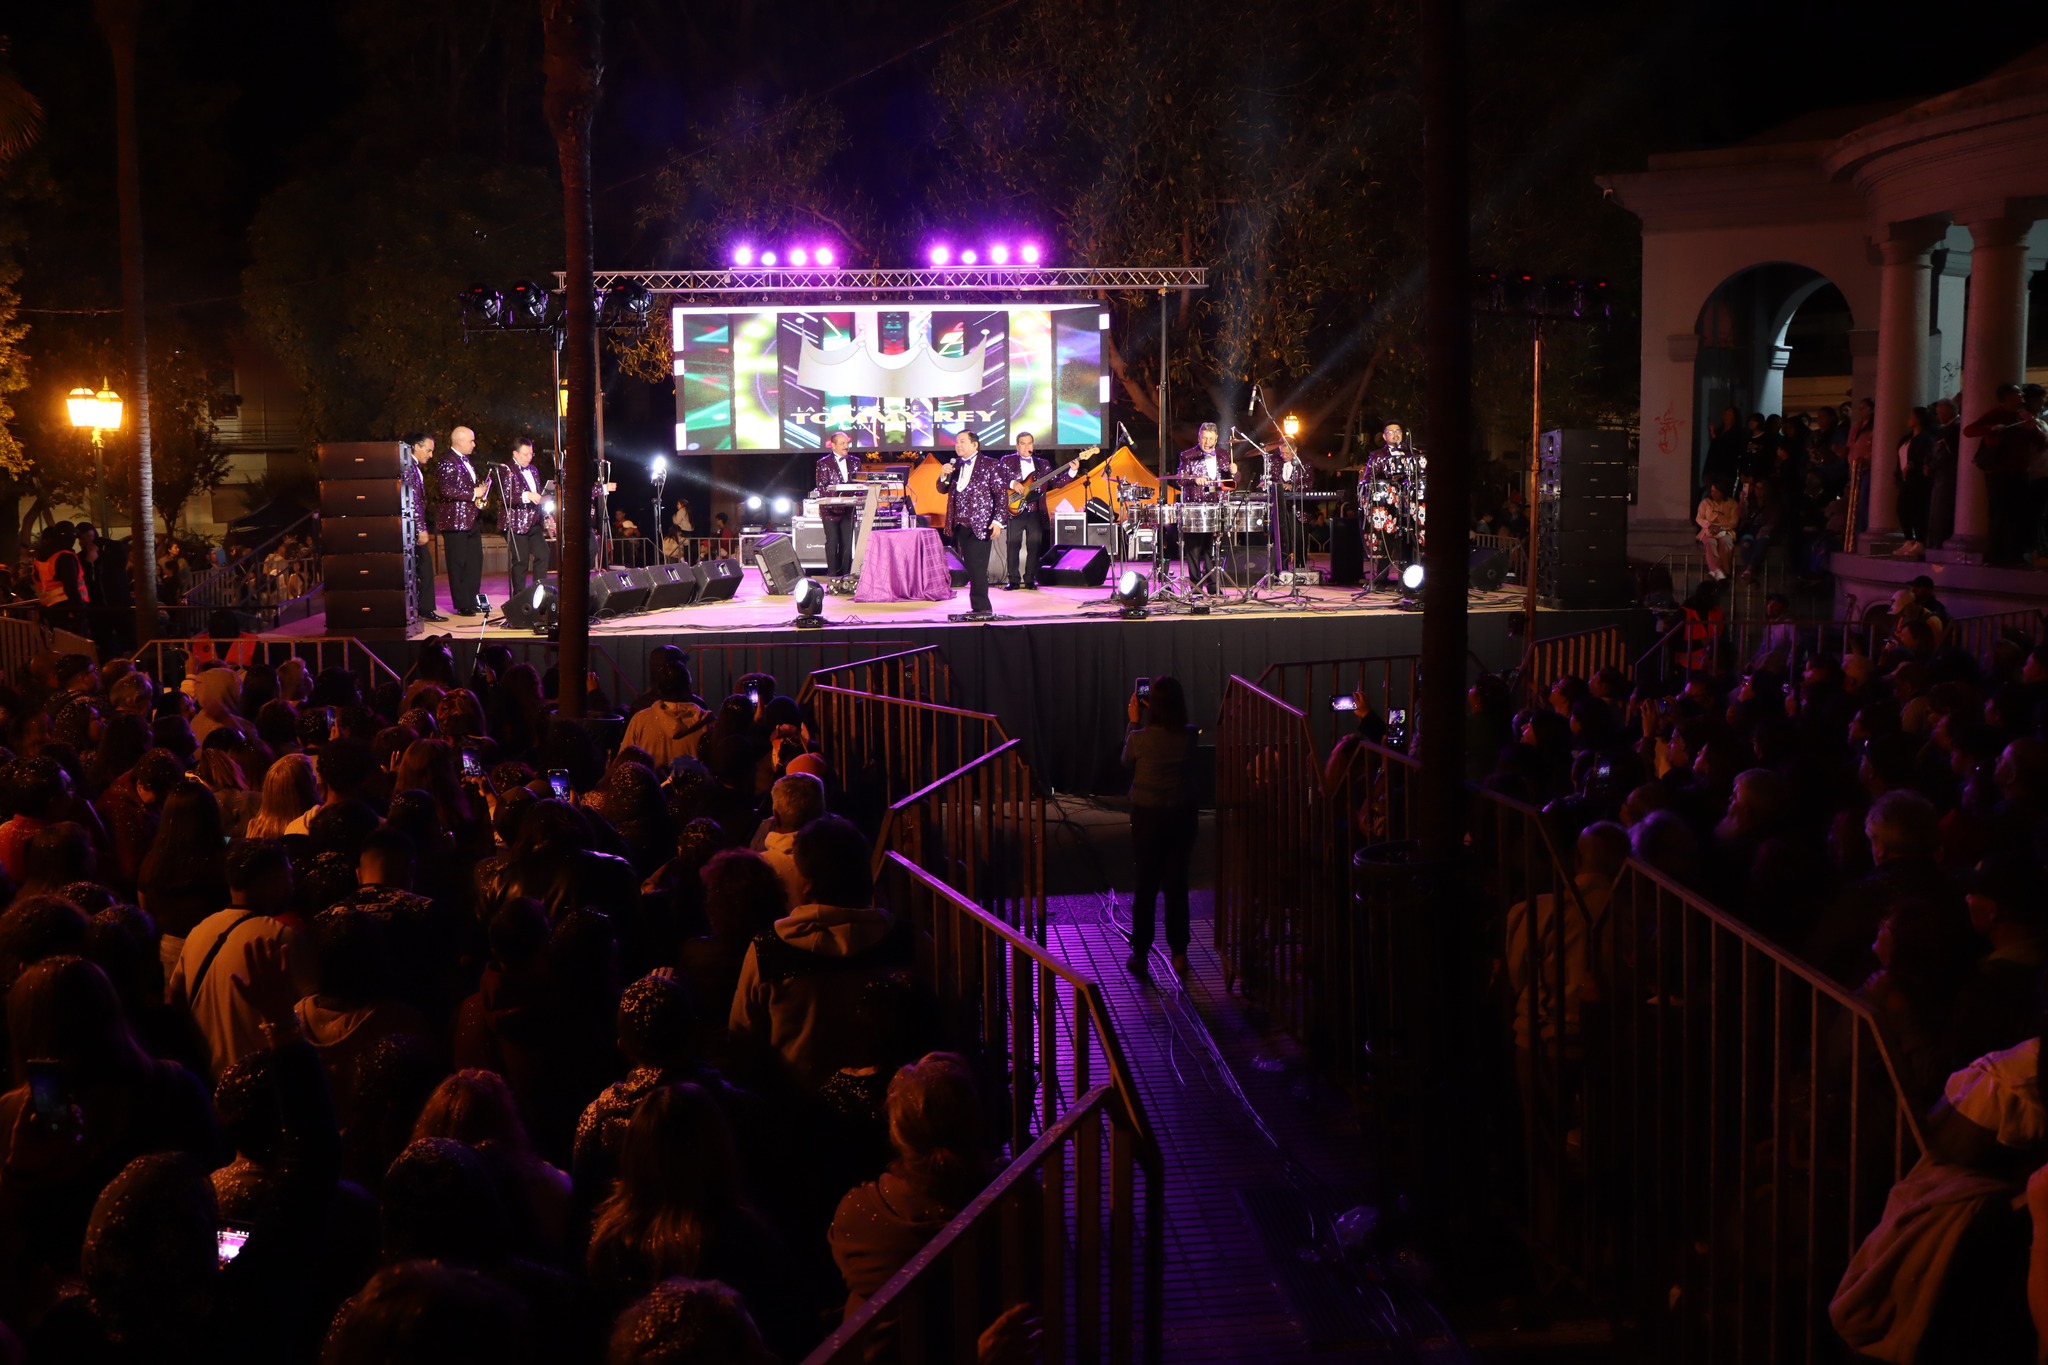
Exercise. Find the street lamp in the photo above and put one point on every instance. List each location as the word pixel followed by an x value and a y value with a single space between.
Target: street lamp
pixel 101 412
pixel 1290 426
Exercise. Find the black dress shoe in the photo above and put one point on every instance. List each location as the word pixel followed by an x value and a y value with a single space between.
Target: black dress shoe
pixel 1031 587
pixel 1009 587
pixel 432 616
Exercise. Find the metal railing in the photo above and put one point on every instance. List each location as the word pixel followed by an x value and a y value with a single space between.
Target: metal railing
pixel 920 674
pixel 891 746
pixel 1691 1127
pixel 1979 636
pixel 217 586
pixel 168 658
pixel 982 829
pixel 1387 681
pixel 1578 654
pixel 21 639
pixel 1073 1225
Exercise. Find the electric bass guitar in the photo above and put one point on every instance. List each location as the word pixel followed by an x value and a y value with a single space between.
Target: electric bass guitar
pixel 1019 499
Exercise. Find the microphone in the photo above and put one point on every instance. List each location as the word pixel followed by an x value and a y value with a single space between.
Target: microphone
pixel 1251 404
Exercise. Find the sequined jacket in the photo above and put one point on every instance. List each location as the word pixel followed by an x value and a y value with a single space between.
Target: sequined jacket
pixel 981 500
pixel 520 516
pixel 454 510
pixel 1191 465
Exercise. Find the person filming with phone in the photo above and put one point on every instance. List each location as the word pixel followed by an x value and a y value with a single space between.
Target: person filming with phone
pixel 1159 749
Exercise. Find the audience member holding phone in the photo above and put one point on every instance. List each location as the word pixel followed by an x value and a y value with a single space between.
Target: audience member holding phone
pixel 1159 749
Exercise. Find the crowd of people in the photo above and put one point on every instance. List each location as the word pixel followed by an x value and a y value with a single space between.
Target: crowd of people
pixel 1883 819
pixel 415 1023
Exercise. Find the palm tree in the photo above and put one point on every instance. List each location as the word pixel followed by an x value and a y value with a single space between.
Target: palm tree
pixel 21 114
pixel 574 62
pixel 118 20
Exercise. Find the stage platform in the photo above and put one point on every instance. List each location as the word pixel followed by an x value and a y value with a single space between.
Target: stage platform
pixel 1056 665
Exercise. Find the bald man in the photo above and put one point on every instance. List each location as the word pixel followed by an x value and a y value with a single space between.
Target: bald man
pixel 461 495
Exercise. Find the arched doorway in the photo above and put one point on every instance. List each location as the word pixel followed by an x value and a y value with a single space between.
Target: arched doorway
pixel 1772 339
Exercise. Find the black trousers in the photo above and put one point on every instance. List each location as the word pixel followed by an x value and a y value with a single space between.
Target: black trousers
pixel 974 551
pixel 526 559
pixel 1163 839
pixel 423 573
pixel 1026 533
pixel 465 554
pixel 1198 550
pixel 839 546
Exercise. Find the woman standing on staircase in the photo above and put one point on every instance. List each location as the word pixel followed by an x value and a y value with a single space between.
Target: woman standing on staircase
pixel 1160 751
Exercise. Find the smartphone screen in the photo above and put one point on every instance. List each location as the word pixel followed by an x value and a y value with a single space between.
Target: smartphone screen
pixel 1144 688
pixel 472 765
pixel 1344 703
pixel 558 782
pixel 47 1091
pixel 228 1242
pixel 1397 719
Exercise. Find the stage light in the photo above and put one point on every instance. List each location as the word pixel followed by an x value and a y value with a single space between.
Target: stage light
pixel 529 304
pixel 743 255
pixel 625 302
pixel 1132 592
pixel 543 607
pixel 810 605
pixel 999 254
pixel 1411 585
pixel 968 258
pixel 754 502
pixel 782 507
pixel 940 255
pixel 767 258
pixel 824 255
pixel 798 256
pixel 1028 254
pixel 483 303
pixel 1290 426
pixel 657 468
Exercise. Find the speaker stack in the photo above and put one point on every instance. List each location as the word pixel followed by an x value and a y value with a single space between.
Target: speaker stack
pixel 1582 519
pixel 628 592
pixel 366 535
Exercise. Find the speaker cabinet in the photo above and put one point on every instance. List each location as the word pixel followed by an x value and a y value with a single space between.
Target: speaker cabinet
pixel 625 590
pixel 361 498
pixel 362 460
pixel 1347 553
pixel 1074 566
pixel 1487 568
pixel 809 535
pixel 363 535
pixel 365 572
pixel 718 580
pixel 375 609
pixel 675 585
pixel 781 567
pixel 956 568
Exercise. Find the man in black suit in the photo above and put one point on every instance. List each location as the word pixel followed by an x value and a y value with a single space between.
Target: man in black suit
pixel 974 512
pixel 1203 468
pixel 463 495
pixel 419 454
pixel 836 466
pixel 1026 533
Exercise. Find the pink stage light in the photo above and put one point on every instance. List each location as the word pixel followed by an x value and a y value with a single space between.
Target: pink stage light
pixel 968 258
pixel 999 254
pixel 798 256
pixel 743 255
pixel 824 255
pixel 939 255
pixel 1029 254
pixel 767 258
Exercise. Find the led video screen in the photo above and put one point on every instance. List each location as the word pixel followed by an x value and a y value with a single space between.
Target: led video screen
pixel 898 376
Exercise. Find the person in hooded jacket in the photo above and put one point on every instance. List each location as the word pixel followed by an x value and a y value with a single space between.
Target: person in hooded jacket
pixel 673 725
pixel 802 984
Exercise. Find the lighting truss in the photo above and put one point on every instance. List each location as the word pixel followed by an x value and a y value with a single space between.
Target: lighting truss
pixel 790 281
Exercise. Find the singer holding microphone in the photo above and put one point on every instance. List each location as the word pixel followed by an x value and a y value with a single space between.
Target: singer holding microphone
pixel 974 490
pixel 526 545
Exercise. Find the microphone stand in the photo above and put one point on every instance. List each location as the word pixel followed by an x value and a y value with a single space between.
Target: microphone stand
pixel 660 547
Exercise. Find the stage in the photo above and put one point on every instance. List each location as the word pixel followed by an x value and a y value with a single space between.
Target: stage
pixel 1056 665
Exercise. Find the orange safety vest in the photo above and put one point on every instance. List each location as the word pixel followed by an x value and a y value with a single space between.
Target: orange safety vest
pixel 50 588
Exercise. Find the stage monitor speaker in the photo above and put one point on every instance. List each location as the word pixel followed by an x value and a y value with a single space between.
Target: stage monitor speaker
pixel 1347 553
pixel 809 535
pixel 675 585
pixel 781 568
pixel 1074 566
pixel 363 535
pixel 1488 567
pixel 956 569
pixel 626 590
pixel 365 572
pixel 718 580
pixel 362 460
pixel 361 498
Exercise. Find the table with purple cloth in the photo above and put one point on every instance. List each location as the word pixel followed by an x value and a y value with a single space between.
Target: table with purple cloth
pixel 905 566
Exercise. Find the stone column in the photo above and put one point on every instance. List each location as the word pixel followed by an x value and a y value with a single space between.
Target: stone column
pixel 1994 353
pixel 1951 269
pixel 1902 311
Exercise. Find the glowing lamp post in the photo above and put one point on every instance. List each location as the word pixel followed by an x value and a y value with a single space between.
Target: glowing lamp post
pixel 101 413
pixel 1290 426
